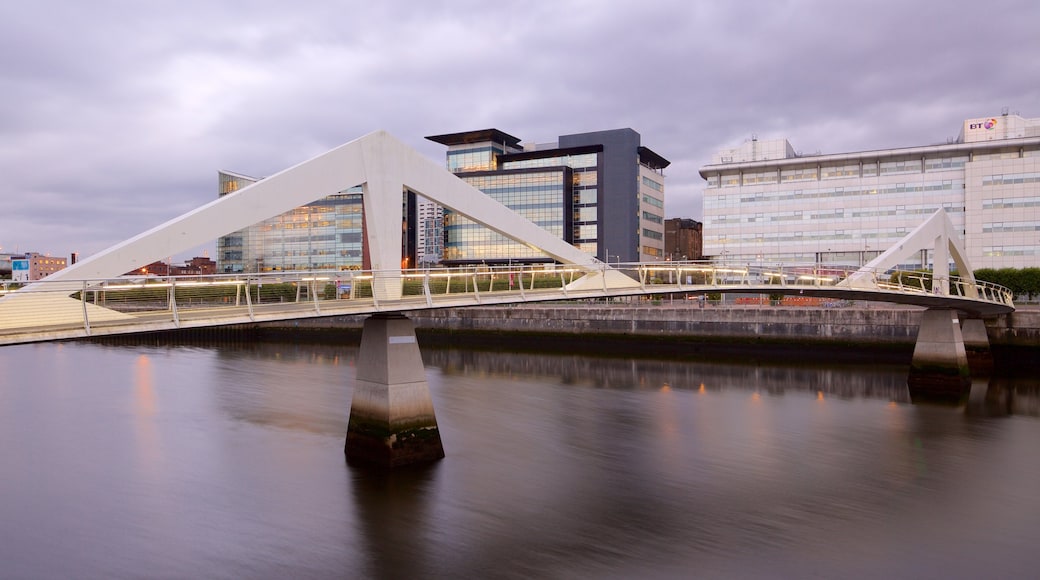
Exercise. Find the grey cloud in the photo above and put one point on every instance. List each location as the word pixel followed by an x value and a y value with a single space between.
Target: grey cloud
pixel 115 116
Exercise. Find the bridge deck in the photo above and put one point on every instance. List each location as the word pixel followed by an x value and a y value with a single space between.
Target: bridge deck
pixel 145 305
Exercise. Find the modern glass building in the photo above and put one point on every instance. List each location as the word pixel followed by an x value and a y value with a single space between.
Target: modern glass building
pixel 323 235
pixel 764 203
pixel 603 192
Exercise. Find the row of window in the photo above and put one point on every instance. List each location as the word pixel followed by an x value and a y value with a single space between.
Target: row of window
pixel 996 251
pixel 573 161
pixel 653 184
pixel 923 210
pixel 653 201
pixel 332 228
pixel 458 223
pixel 476 159
pixel 996 227
pixel 834 192
pixel 879 237
pixel 1010 179
pixel 653 218
pixel 585 178
pixel 836 171
pixel 1007 154
pixel 1009 203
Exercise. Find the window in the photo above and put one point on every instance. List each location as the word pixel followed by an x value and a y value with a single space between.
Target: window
pixel 905 166
pixel 839 171
pixel 653 184
pixel 652 218
pixel 802 174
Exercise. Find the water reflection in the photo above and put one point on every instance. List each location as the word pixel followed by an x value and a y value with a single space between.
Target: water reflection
pixel 394 521
pixel 226 461
pixel 289 386
pixel 886 382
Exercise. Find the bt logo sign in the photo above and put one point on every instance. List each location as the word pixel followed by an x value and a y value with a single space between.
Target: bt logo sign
pixel 988 124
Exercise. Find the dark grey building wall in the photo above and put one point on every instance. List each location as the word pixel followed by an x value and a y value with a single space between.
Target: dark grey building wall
pixel 618 190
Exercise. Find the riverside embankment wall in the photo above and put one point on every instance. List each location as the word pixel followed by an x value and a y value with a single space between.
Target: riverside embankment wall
pixel 848 325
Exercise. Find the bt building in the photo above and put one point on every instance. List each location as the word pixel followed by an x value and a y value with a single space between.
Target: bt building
pixel 764 203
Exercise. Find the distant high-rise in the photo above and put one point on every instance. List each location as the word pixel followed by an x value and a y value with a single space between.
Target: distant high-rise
pixel 766 203
pixel 429 233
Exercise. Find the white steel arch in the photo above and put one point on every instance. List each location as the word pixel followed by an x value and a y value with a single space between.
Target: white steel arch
pixel 938 234
pixel 383 165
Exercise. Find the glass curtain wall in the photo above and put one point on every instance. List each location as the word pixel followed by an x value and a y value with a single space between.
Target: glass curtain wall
pixel 539 196
pixel 584 194
pixel 323 235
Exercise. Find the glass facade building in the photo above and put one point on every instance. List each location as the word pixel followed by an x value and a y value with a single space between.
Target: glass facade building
pixel 602 192
pixel 539 196
pixel 323 235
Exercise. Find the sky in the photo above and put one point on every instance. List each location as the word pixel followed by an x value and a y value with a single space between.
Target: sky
pixel 115 116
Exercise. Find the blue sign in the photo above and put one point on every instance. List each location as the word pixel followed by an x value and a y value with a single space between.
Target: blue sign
pixel 20 270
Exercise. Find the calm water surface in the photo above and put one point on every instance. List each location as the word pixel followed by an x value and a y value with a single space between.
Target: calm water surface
pixel 227 462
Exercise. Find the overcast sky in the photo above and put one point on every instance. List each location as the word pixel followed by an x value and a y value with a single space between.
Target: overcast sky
pixel 115 116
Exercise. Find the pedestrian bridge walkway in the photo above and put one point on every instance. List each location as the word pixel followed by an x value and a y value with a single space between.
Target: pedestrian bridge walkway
pixel 122 305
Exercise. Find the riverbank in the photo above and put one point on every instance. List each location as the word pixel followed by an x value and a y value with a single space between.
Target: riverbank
pixel 852 333
pixel 890 326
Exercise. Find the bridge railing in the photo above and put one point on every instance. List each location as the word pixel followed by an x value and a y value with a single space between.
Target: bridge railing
pixel 715 274
pixel 87 303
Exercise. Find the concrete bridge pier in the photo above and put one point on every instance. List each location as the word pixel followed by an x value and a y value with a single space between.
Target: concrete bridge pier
pixel 976 346
pixel 939 370
pixel 392 422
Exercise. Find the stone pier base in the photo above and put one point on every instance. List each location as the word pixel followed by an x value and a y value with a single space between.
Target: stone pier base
pixel 939 371
pixel 392 422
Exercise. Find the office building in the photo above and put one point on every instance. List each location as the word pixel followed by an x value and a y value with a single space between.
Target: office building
pixel 323 235
pixel 765 203
pixel 32 266
pixel 603 192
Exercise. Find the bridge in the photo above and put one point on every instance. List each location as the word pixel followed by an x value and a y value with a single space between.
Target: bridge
pixel 126 305
pixel 391 419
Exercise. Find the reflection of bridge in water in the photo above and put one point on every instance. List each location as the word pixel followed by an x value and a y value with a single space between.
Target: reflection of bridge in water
pixel 995 396
pixel 392 419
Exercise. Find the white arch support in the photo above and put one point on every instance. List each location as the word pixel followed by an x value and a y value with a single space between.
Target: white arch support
pixel 938 234
pixel 383 166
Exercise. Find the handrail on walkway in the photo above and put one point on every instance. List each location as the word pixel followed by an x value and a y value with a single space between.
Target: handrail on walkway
pixel 247 297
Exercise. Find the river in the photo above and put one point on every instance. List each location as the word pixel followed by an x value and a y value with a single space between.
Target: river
pixel 226 461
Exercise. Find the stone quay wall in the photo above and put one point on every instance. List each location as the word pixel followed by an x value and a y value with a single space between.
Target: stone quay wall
pixel 894 326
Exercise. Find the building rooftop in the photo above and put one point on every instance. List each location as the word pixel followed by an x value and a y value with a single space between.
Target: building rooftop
pixel 983 133
pixel 479 136
pixel 648 157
